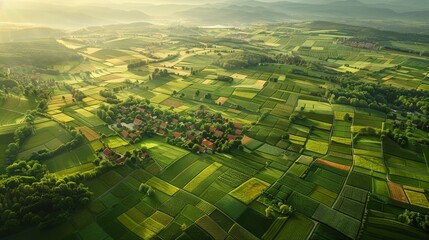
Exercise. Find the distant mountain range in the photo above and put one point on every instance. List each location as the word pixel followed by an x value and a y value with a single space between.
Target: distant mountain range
pixel 249 11
pixel 405 16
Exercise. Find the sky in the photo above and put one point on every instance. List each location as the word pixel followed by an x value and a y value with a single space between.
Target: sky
pixel 194 2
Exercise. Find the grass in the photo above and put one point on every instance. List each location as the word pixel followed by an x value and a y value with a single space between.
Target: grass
pixel 48 135
pixel 337 220
pixel 232 207
pixel 296 227
pixel 380 187
pixel 250 190
pixel 324 196
pixel 164 153
pixel 350 207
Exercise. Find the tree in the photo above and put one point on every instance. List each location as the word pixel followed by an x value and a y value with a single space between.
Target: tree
pixel 347 117
pixel 269 212
pixel 150 191
pixel 286 136
pixel 197 93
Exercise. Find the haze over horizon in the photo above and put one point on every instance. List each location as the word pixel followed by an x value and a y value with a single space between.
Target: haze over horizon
pixel 382 14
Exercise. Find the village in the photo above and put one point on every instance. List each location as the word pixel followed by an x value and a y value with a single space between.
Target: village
pixel 200 131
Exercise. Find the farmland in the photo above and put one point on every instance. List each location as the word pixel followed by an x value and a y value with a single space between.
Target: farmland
pixel 278 131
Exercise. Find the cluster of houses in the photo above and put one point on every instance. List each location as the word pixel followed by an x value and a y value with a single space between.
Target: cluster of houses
pixel 208 131
pixel 118 159
pixel 210 140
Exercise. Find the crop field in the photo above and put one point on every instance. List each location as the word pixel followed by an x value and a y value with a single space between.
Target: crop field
pixel 163 152
pixel 213 133
pixel 249 190
pixel 47 135
pixel 114 142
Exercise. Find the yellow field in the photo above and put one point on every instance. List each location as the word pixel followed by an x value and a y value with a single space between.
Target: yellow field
pixel 238 76
pixel 159 98
pixel 84 113
pixel 221 100
pixel 417 198
pixel 208 82
pixel 202 176
pixel 347 141
pixel 249 190
pixel 317 147
pixel 89 133
pixel 63 118
pixel 162 186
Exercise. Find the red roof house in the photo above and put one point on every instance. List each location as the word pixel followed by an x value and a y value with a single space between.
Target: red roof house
pixel 138 121
pixel 212 129
pixel 120 160
pixel 108 152
pixel 124 133
pixel 231 137
pixel 208 144
pixel 218 133
pixel 237 125
pixel 177 135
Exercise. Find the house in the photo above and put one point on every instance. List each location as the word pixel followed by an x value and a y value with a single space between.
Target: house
pixel 163 125
pixel 231 137
pixel 108 153
pixel 124 133
pixel 144 155
pixel 131 135
pixel 162 132
pixel 218 134
pixel 190 135
pixel 174 121
pixel 118 120
pixel 237 125
pixel 177 135
pixel 212 129
pixel 138 121
pixel 208 144
pixel 141 109
pixel 201 149
pixel 238 132
pixel 120 161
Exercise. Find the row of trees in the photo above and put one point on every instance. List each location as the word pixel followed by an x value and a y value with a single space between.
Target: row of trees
pixel 157 74
pixel 110 96
pixel 77 94
pixel 380 97
pixel 415 219
pixel 242 60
